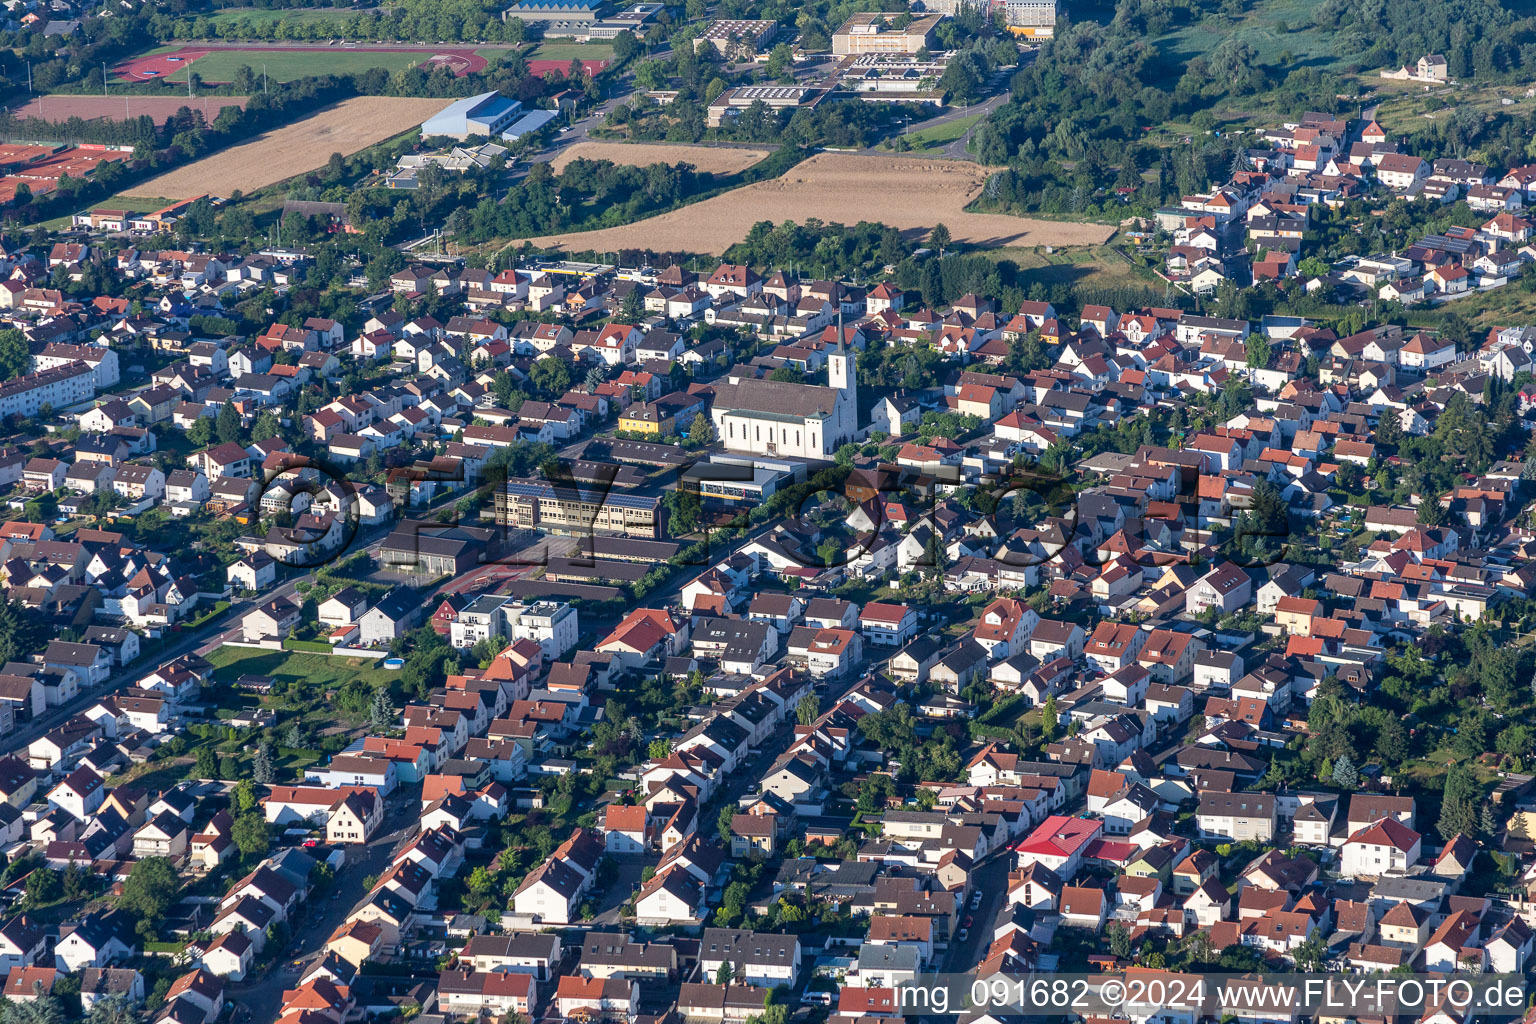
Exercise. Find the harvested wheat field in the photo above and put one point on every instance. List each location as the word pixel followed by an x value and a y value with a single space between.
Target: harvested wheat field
pixel 708 159
pixel 294 148
pixel 909 193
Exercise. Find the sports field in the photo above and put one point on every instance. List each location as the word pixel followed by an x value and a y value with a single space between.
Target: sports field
pixel 217 63
pixel 294 148
pixel 571 51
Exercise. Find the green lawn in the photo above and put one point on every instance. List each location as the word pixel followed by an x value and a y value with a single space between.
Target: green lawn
pixel 1091 267
pixel 563 51
pixel 322 670
pixel 287 65
pixel 1274 29
pixel 942 134
pixel 129 204
pixel 134 204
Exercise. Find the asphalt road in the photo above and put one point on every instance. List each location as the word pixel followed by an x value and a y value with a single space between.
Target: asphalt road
pixel 261 998
pixel 991 878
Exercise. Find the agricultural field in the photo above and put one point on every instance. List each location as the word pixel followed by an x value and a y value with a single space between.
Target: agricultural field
pixel 909 193
pixel 708 159
pixel 123 108
pixel 295 148
pixel 219 63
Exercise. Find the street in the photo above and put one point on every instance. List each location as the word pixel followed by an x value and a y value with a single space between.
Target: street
pixel 314 922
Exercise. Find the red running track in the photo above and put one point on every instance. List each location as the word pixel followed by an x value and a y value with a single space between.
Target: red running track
pixel 162 65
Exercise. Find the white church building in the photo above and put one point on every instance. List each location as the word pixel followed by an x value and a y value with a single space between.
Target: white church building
pixel 769 417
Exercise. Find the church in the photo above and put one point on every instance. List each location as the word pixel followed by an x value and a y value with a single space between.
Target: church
pixel 769 417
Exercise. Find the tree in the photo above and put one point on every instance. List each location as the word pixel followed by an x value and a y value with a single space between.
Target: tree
pixel 41 1009
pixel 479 882
pixel 1119 939
pixel 381 713
pixel 266 427
pixel 242 797
pixel 700 431
pixel 632 309
pixel 723 973
pixel 659 750
pixel 226 426
pixel 1392 741
pixel 939 238
pixel 808 710
pixel 205 765
pixel 1459 804
pixel 1431 512
pixel 15 359
pixel 1048 720
pixel 113 1009
pixel 723 823
pixel 625 46
pixel 261 766
pixel 150 890
pixel 1345 775
pixel 74 881
pixel 1309 956
pixel 43 886
pixel 1488 822
pixel 1258 352
pixel 683 510
pixel 1198 947
pixel 250 834
pixel 551 376
pixel 1389 427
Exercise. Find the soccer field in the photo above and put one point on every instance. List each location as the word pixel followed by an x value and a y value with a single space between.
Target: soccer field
pixel 287 65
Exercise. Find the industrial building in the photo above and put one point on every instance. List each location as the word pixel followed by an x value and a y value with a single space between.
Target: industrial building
pixel 483 115
pixel 560 11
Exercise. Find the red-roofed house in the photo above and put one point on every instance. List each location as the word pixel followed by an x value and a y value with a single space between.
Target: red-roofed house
pixel 1383 847
pixel 627 829
pixel 1058 843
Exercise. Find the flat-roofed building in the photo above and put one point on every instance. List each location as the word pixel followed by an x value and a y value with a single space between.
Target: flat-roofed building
pixel 485 114
pixel 737 36
pixel 777 97
pixel 538 504
pixel 877 32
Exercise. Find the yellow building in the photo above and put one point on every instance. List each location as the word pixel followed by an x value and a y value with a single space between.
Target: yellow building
pixel 645 418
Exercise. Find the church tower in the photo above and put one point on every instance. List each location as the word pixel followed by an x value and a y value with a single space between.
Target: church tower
pixel 842 374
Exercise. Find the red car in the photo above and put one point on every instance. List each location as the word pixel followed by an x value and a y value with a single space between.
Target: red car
pixel 309 843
